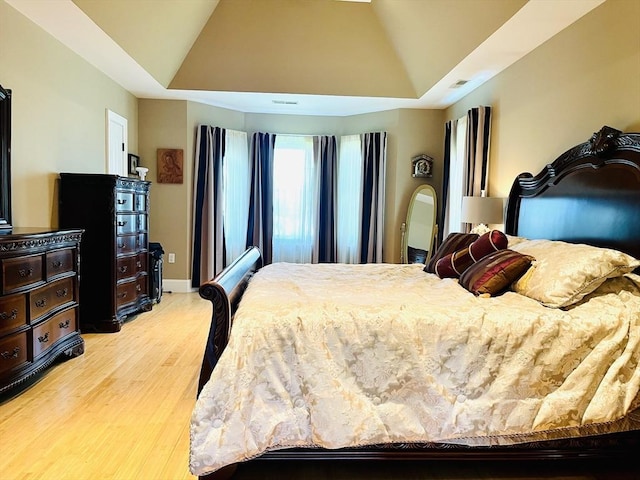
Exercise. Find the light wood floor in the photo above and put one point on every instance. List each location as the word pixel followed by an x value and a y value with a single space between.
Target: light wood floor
pixel 121 411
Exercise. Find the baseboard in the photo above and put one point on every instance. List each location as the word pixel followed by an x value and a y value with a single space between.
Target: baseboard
pixel 177 286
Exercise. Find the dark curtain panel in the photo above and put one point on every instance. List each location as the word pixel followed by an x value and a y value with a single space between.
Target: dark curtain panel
pixel 374 153
pixel 208 227
pixel 445 178
pixel 325 150
pixel 260 223
pixel 477 151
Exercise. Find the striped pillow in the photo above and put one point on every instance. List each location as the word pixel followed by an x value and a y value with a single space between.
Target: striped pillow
pixel 494 273
pixel 453 242
pixel 454 265
pixel 491 241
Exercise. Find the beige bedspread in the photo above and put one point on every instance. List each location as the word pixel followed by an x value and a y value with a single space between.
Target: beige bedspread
pixel 346 355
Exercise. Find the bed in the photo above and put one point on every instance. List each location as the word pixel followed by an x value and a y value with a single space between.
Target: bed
pixel 539 359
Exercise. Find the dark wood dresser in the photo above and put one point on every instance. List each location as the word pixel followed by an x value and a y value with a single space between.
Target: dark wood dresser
pixel 114 213
pixel 38 302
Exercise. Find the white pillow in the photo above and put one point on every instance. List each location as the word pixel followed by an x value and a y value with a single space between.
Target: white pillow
pixel 563 273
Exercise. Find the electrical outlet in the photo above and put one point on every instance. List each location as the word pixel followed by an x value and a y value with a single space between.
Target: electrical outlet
pixel 172 258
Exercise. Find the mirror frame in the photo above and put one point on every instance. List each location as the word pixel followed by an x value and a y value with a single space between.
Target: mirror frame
pixel 5 159
pixel 404 254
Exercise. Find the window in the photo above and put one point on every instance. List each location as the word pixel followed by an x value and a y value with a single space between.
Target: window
pixel 295 203
pixel 456 177
pixel 236 173
pixel 349 198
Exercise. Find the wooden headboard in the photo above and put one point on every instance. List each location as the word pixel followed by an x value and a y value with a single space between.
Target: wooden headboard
pixel 590 194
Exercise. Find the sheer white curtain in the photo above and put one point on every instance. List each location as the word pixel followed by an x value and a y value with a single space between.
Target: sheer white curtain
pixel 457 181
pixel 468 143
pixel 237 175
pixel 349 198
pixel 295 199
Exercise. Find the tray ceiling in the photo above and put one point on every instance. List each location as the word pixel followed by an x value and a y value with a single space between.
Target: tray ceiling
pixel 315 57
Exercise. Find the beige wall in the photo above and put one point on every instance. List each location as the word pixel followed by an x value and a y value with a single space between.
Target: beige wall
pixel 172 124
pixel 59 105
pixel 585 77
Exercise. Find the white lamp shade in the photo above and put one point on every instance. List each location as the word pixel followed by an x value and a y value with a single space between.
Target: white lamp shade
pixel 482 210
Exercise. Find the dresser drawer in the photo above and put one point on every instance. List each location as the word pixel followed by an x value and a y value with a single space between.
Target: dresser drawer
pixel 142 223
pixel 124 202
pixel 126 293
pixel 13 312
pixel 141 285
pixel 46 334
pixel 21 272
pixel 141 203
pixel 142 241
pixel 126 224
pixel 48 297
pixel 13 351
pixel 141 262
pixel 126 244
pixel 126 267
pixel 59 262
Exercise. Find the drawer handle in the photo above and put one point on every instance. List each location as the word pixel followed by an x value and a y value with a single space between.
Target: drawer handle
pixel 137 242
pixel 121 245
pixel 44 338
pixel 25 272
pixel 123 269
pixel 56 264
pixel 138 288
pixel 122 295
pixel 139 264
pixel 10 355
pixel 41 303
pixel 122 223
pixel 12 316
pixel 65 324
pixel 62 292
pixel 121 202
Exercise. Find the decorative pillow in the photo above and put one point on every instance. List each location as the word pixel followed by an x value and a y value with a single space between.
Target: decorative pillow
pixel 453 242
pixel 563 273
pixel 454 265
pixel 491 241
pixel 494 273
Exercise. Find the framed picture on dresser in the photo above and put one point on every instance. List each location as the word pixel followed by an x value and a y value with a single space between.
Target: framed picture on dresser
pixel 134 162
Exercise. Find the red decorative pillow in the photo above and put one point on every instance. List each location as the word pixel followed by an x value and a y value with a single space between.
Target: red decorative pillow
pixel 491 241
pixel 453 242
pixel 455 264
pixel 494 273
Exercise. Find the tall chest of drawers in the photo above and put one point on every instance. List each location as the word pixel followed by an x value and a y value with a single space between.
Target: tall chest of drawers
pixel 38 302
pixel 114 213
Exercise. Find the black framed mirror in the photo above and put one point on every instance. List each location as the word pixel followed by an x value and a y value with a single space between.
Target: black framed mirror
pixel 5 159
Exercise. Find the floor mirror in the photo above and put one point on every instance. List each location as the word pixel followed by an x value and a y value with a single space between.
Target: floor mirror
pixel 420 229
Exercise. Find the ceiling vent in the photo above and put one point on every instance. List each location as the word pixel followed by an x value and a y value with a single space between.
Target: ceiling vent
pixel 459 83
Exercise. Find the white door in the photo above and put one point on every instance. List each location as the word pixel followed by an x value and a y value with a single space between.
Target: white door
pixel 116 144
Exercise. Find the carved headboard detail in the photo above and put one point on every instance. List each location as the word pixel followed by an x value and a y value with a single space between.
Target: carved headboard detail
pixel 589 194
pixel 603 141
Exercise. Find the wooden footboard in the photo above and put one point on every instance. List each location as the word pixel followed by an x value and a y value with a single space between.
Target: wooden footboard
pixel 224 292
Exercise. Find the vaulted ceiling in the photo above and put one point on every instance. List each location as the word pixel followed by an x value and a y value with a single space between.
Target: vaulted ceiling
pixel 327 57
